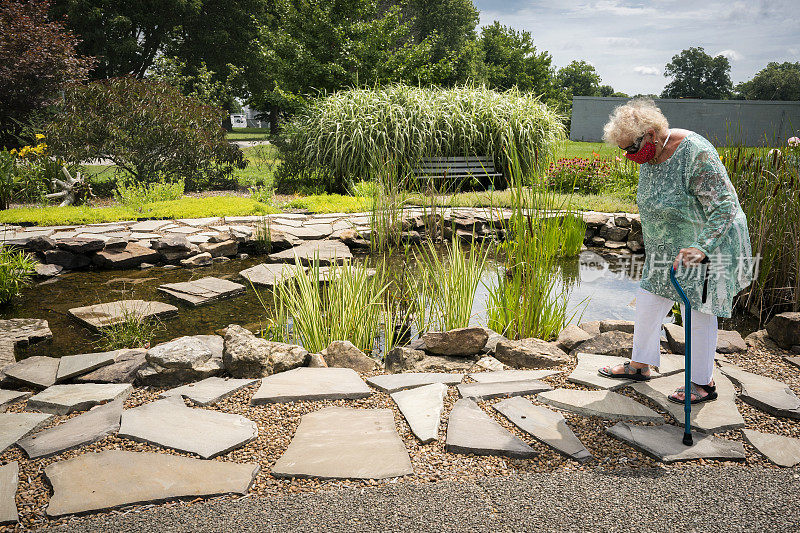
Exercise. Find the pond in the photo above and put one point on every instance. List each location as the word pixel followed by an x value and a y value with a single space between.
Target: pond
pixel 599 287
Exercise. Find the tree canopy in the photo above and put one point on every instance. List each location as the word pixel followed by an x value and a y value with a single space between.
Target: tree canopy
pixel 776 81
pixel 579 78
pixel 512 59
pixel 695 74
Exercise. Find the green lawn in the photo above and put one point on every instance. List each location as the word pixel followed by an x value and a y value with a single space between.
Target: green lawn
pixel 248 134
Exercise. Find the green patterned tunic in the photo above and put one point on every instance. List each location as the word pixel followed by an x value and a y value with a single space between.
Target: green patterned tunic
pixel 689 201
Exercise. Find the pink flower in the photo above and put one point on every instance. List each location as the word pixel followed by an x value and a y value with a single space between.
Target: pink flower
pixel 793 141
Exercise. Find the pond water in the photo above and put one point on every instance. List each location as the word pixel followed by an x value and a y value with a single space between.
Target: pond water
pixel 600 287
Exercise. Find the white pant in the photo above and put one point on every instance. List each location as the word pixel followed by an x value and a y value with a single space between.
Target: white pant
pixel 650 312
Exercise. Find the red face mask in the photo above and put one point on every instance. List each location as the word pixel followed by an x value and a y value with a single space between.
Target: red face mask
pixel 645 154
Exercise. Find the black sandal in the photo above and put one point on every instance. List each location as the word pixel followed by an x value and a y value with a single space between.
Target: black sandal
pixel 630 373
pixel 711 394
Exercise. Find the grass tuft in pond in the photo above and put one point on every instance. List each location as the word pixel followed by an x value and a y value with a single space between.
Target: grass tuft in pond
pixel 134 331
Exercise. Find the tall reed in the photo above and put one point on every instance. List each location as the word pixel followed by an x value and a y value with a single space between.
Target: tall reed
pixel 16 270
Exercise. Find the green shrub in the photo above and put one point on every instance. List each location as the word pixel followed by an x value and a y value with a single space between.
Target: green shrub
pixel 136 195
pixel 354 134
pixel 16 270
pixel 147 129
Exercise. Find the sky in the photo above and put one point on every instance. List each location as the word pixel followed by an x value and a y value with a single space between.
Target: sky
pixel 630 42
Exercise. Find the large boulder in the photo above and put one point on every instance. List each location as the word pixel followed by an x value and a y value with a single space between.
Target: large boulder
pixel 344 354
pixel 65 259
pixel 462 342
pixel 612 232
pixel 405 359
pixel 227 248
pixel 124 369
pixel 247 356
pixel 571 337
pixel 183 360
pixel 530 353
pixel 730 342
pixel 784 329
pixel 616 343
pixel 761 340
pixel 131 256
pixel 616 325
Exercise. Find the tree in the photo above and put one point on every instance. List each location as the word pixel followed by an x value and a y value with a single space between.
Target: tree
pixel 698 75
pixel 512 60
pixel 37 59
pixel 579 78
pixel 199 83
pixel 777 81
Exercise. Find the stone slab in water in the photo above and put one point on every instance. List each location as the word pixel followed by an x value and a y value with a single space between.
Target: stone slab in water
pixel 544 425
pixel 327 251
pixel 311 384
pixel 301 232
pixel 602 403
pixel 665 443
pixel 340 443
pixel 586 372
pixel 396 382
pixel 511 375
pixel 25 331
pixel 7 397
pixel 202 291
pixel 487 391
pixel 14 426
pixel 471 430
pixel 38 372
pixel 112 478
pixel 171 424
pixel 65 399
pixel 83 429
pixel 769 395
pixel 71 366
pixel 422 408
pixel 9 479
pixel 210 390
pixel 270 274
pixel 711 417
pixel 111 313
pixel 781 450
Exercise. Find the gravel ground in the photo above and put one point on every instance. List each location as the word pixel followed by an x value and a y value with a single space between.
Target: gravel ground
pixel 434 469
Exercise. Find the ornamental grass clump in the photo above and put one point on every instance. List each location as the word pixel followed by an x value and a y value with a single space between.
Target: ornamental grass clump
pixel 16 270
pixel 356 133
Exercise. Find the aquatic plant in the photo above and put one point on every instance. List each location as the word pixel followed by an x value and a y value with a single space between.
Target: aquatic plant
pixel 262 236
pixel 16 270
pixel 133 331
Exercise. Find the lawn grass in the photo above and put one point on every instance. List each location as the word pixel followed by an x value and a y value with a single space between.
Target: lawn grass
pixel 608 203
pixel 248 134
pixel 330 203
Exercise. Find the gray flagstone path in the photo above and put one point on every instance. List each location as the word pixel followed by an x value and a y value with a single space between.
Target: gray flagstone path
pixel 487 391
pixel 422 408
pixel 711 417
pixel 665 443
pixel 210 390
pixel 781 450
pixel 170 423
pixel 396 382
pixel 544 425
pixel 471 430
pixel 310 384
pixel 7 397
pixel 511 375
pixel 65 399
pixel 112 478
pixel 14 426
pixel 9 479
pixel 345 443
pixel 71 366
pixel 270 274
pixel 202 291
pixel 602 403
pixel 769 395
pixel 37 371
pixel 89 427
pixel 586 371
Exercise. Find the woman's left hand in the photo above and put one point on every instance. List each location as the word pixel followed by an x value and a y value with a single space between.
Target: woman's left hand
pixel 688 257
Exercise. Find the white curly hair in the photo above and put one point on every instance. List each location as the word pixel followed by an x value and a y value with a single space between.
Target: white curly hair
pixel 630 120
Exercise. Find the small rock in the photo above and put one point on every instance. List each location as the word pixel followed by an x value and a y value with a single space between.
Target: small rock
pixel 616 325
pixel 316 360
pixel 730 342
pixel 617 343
pixel 47 271
pixel 199 260
pixel 344 354
pixel 67 260
pixel 530 353
pixel 592 328
pixel 248 356
pixel 182 360
pixel 761 340
pixel 131 256
pixel 784 328
pixel 81 245
pixel 571 337
pixel 458 342
pixel 405 359
pixel 221 249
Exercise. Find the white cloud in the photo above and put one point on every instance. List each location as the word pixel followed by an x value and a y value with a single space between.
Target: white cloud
pixel 733 55
pixel 647 71
pixel 620 41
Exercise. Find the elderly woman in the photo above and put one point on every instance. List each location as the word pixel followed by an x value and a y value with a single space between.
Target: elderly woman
pixel 690 216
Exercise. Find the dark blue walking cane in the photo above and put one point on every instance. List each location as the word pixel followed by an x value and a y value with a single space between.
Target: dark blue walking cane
pixel 687 332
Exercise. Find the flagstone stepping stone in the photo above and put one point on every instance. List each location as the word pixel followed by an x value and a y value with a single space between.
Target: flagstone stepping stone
pixel 487 391
pixel 340 443
pixel 14 426
pixel 202 291
pixel 7 397
pixel 792 360
pixel 65 399
pixel 586 372
pixel 147 226
pixel 270 274
pixel 544 425
pixel 422 408
pixel 99 316
pixel 9 479
pixel 38 371
pixel 112 478
pixel 7 356
pixel 711 417
pixel 171 424
pixel 781 450
pixel 25 331
pixel 511 375
pixel 327 251
pixel 301 232
pixel 409 380
pixel 665 443
pixel 471 430
pixel 71 366
pixel 769 395
pixel 126 365
pixel 670 364
pixel 210 390
pixel 311 384
pixel 602 403
pixel 89 427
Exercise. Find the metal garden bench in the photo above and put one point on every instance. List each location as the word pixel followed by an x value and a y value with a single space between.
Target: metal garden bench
pixel 454 172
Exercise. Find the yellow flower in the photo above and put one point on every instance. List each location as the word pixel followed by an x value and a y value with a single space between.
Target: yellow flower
pixel 14 151
pixel 39 136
